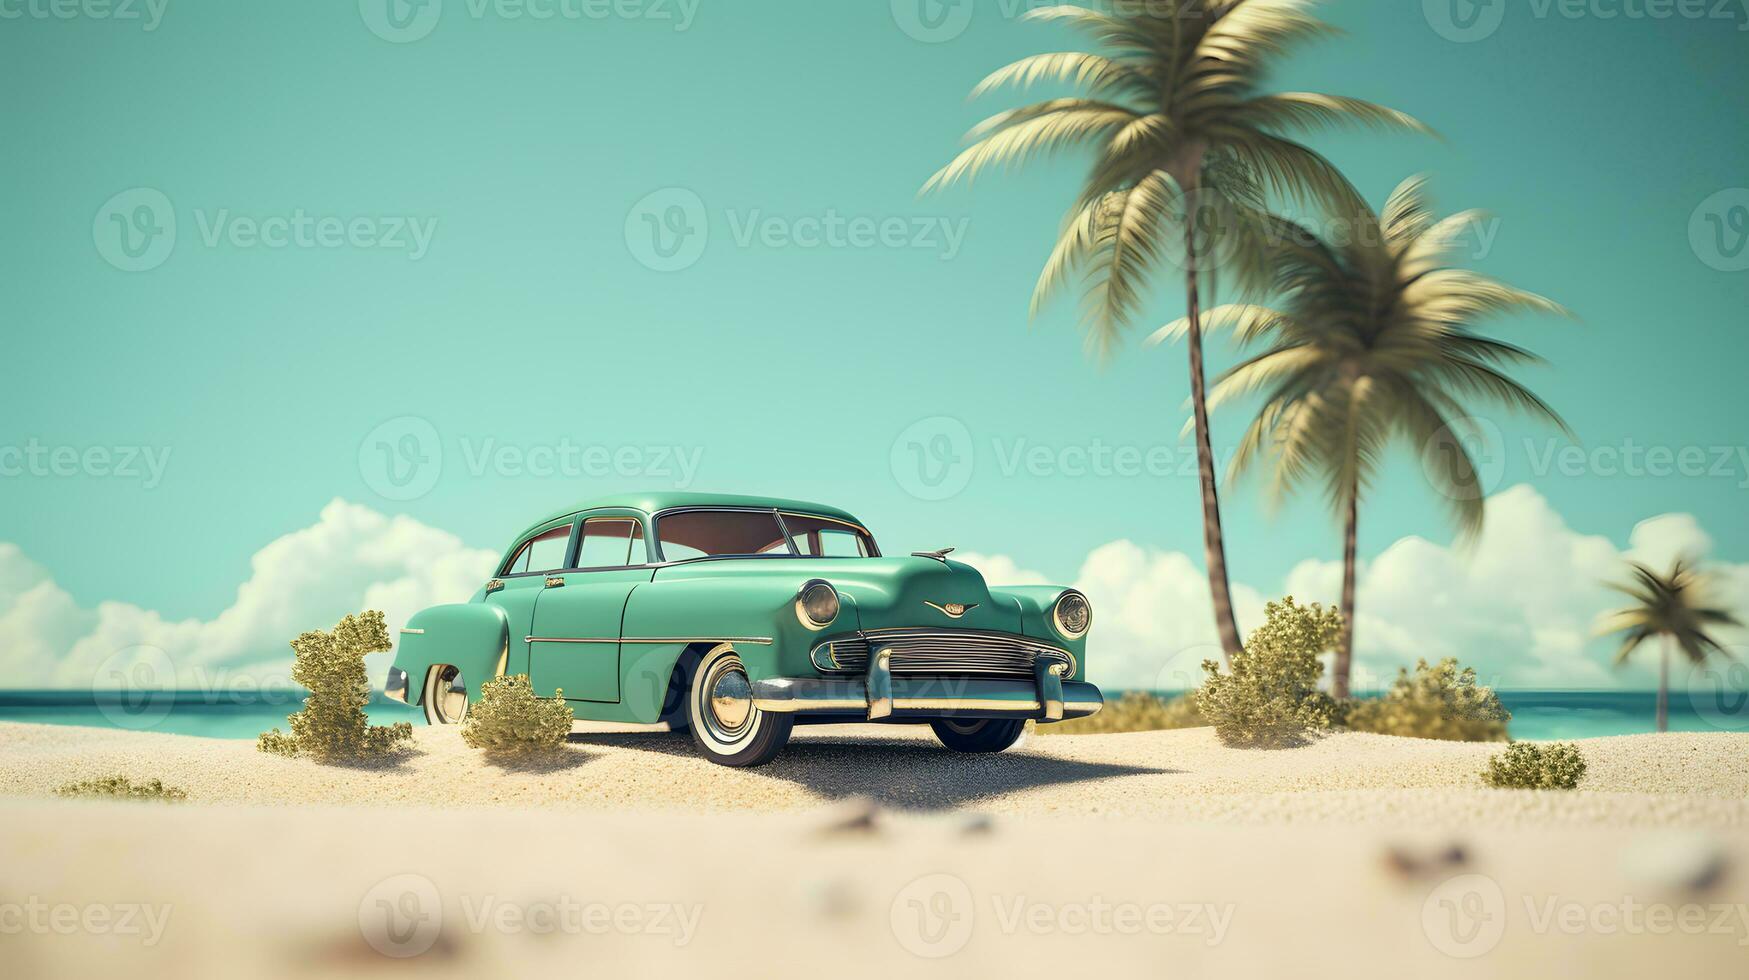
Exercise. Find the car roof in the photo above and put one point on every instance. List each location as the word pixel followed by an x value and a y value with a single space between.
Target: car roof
pixel 661 500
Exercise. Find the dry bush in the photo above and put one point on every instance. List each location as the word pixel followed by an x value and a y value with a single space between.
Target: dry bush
pixel 122 788
pixel 1439 702
pixel 332 726
pixel 1270 699
pixel 1526 765
pixel 510 721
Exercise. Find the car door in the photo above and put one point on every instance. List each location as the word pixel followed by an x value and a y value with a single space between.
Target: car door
pixel 521 581
pixel 575 643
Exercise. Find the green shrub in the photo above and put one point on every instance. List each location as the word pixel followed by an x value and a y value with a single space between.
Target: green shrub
pixel 511 721
pixel 1135 711
pixel 1526 765
pixel 1271 697
pixel 1435 702
pixel 122 788
pixel 332 725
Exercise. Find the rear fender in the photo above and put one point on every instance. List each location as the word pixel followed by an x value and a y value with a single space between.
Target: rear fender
pixel 472 637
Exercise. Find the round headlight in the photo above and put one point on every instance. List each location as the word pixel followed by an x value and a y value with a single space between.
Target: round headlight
pixel 817 604
pixel 1072 614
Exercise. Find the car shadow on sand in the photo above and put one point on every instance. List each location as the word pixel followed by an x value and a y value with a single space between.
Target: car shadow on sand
pixel 896 772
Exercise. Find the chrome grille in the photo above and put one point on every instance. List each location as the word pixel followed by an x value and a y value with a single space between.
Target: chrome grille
pixel 940 652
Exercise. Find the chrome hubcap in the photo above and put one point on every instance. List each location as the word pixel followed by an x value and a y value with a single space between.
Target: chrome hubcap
pixel 732 699
pixel 450 699
pixel 728 714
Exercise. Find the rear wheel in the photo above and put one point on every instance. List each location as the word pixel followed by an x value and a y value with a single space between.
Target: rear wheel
pixel 725 724
pixel 981 735
pixel 446 696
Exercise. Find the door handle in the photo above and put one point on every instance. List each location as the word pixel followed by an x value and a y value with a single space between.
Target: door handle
pixel 554 581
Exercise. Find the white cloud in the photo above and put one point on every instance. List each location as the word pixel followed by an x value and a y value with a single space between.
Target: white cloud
pixel 352 558
pixel 1520 605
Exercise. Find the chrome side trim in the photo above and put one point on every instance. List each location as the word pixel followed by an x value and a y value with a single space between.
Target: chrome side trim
pixel 413 632
pixel 751 640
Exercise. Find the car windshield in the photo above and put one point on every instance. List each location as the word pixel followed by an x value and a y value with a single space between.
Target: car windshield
pixel 720 533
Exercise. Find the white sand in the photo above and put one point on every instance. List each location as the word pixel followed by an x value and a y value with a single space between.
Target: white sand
pixel 1690 780
pixel 1096 849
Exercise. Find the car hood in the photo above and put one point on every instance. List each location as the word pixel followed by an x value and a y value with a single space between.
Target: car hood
pixel 886 592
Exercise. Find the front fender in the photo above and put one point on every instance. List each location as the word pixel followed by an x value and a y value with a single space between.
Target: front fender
pixel 472 637
pixel 1035 603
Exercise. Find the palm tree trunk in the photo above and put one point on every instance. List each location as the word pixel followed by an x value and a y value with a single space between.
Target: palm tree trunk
pixel 1345 646
pixel 1213 542
pixel 1664 687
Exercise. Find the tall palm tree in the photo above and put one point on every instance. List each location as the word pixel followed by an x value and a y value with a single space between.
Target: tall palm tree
pixel 1374 338
pixel 1671 607
pixel 1179 87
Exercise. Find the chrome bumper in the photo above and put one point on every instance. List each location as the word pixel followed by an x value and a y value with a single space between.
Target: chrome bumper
pixel 396 686
pixel 881 695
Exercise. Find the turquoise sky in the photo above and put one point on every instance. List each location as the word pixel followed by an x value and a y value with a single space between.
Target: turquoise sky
pixel 537 314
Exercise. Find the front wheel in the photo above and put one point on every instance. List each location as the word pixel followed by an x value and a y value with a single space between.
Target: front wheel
pixel 446 696
pixel 725 724
pixel 984 735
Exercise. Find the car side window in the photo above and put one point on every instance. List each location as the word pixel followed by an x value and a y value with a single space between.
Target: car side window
pixel 544 552
pixel 841 544
pixel 611 542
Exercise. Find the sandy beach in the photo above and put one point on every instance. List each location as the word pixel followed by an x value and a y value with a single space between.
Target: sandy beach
pixel 1156 852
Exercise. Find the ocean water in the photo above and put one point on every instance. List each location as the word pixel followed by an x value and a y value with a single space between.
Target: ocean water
pixel 1536 715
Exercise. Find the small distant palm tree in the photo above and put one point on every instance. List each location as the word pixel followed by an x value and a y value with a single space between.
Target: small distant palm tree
pixel 1178 93
pixel 1374 339
pixel 1673 608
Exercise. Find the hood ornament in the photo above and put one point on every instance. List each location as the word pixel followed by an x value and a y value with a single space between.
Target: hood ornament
pixel 940 556
pixel 952 610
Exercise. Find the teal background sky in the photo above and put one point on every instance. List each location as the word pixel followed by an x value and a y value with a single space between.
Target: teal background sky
pixel 791 369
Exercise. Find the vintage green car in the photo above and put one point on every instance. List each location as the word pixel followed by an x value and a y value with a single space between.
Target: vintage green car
pixel 738 617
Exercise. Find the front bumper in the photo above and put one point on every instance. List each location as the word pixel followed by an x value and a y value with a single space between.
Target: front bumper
pixel 396 686
pixel 876 697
